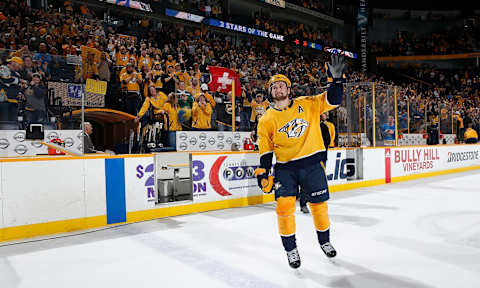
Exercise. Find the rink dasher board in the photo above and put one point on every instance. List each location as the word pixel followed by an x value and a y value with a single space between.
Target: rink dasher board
pixel 422 161
pixel 13 143
pixel 49 195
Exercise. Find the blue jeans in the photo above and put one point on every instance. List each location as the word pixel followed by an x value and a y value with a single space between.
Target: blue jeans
pixel 172 139
pixel 245 119
pixel 213 119
pixel 35 116
pixel 8 111
pixel 221 127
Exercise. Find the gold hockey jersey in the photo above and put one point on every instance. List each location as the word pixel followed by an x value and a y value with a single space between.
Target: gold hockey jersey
pixel 294 133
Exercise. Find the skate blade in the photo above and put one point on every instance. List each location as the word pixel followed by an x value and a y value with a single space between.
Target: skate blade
pixel 298 273
pixel 332 260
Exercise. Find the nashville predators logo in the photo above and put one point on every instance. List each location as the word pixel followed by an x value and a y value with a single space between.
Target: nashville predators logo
pixel 294 128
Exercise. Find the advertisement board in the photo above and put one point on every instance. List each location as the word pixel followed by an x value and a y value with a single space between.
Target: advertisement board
pixel 222 177
pixel 184 15
pixel 339 167
pixel 417 160
pixel 278 3
pixel 209 140
pixel 13 142
pixel 140 183
pixel 328 49
pixel 244 29
pixel 130 4
pixel 225 176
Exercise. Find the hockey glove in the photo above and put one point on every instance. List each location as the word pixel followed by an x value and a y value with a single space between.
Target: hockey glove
pixel 336 69
pixel 265 182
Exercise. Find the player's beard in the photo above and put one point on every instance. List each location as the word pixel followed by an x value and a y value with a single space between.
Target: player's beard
pixel 280 96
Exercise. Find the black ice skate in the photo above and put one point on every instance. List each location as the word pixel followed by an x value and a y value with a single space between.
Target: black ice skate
pixel 328 249
pixel 304 209
pixel 293 258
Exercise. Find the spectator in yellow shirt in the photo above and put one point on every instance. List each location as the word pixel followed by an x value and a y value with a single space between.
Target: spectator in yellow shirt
pixel 132 80
pixel 460 126
pixel 201 114
pixel 170 61
pixel 471 136
pixel 195 88
pixel 156 100
pixel 179 73
pixel 122 57
pixel 144 59
pixel 259 106
pixel 124 69
pixel 204 91
pixel 157 75
pixel 89 69
pixel 84 10
pixel 171 109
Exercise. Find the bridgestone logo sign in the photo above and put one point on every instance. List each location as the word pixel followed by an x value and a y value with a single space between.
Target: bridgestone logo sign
pixel 463 156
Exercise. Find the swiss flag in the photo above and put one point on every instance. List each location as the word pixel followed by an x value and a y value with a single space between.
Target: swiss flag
pixel 223 78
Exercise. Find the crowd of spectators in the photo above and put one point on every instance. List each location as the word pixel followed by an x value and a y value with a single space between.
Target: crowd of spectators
pixel 420 107
pixel 293 30
pixel 321 6
pixel 447 92
pixel 216 9
pixel 454 41
pixel 290 29
pixel 42 39
pixel 153 74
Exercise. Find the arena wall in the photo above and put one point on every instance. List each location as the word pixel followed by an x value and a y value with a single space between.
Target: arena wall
pixel 49 195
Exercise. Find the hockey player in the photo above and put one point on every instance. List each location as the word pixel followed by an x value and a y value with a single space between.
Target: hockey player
pixel 291 130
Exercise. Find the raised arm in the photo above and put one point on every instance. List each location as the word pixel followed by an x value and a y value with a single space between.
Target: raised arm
pixel 335 78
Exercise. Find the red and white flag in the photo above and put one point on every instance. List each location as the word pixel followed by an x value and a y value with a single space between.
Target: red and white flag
pixel 223 78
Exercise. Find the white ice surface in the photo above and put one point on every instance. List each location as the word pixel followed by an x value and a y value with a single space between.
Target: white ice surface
pixel 423 233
